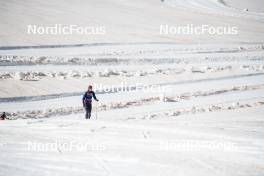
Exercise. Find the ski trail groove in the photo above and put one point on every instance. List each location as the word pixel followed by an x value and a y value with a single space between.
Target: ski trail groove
pixel 119 105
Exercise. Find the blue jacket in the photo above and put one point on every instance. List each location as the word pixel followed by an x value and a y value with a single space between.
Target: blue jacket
pixel 87 97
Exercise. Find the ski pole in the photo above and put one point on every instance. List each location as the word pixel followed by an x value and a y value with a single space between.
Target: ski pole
pixel 96 110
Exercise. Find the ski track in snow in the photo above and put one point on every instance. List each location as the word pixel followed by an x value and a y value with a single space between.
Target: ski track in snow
pixel 47 112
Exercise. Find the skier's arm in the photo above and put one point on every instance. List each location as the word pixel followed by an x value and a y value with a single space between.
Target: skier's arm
pixel 83 99
pixel 95 96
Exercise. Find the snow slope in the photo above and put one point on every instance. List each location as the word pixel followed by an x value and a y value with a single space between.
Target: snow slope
pixel 124 21
pixel 177 105
pixel 252 6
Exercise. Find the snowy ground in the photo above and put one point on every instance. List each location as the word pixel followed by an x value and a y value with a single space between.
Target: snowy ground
pixel 176 107
pixel 200 144
pixel 204 116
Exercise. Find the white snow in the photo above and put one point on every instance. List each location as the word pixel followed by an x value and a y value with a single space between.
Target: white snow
pixel 169 105
pixel 127 21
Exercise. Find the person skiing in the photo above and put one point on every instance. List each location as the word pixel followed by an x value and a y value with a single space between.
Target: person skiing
pixel 87 101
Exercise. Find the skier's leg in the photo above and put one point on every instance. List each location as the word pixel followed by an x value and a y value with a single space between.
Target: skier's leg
pixel 89 110
pixel 88 115
pixel 86 112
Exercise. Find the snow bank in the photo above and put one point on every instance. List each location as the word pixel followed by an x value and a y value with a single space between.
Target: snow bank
pixel 75 74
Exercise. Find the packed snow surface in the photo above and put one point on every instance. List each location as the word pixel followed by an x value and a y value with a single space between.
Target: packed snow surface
pixel 169 105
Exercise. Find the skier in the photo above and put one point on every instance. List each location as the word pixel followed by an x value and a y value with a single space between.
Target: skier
pixel 3 116
pixel 87 101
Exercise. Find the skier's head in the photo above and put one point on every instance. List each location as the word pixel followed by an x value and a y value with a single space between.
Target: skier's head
pixel 90 88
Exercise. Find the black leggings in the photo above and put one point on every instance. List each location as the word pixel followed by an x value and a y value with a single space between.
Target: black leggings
pixel 88 109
